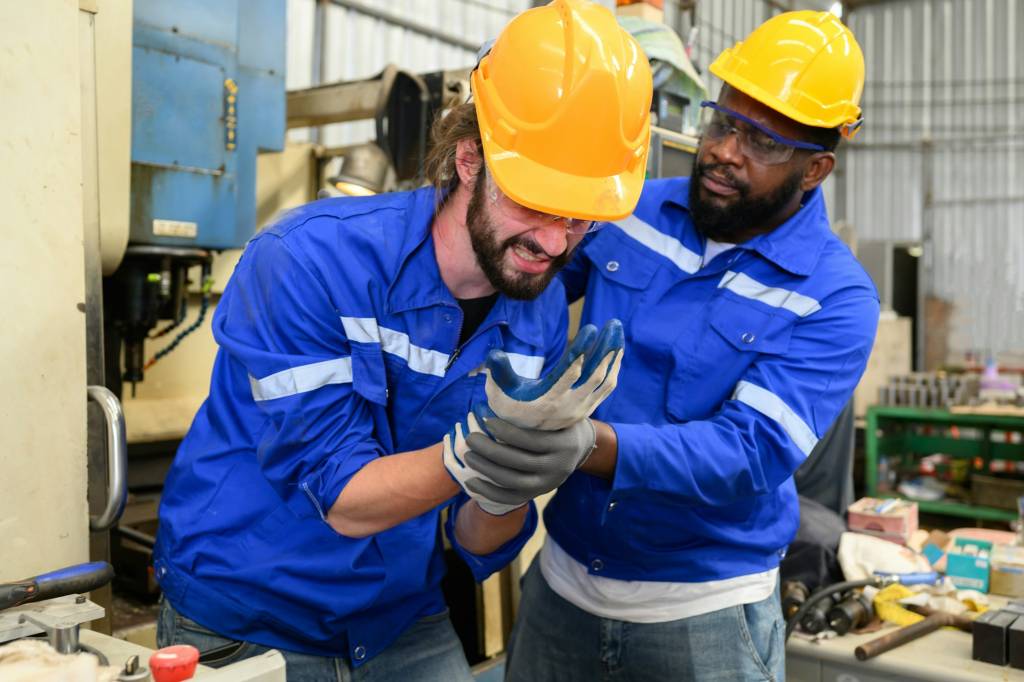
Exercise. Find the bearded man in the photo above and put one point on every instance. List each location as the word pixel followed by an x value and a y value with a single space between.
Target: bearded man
pixel 302 510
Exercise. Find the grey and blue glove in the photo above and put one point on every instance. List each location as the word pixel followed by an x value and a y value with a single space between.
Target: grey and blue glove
pixel 583 377
pixel 515 465
pixel 455 451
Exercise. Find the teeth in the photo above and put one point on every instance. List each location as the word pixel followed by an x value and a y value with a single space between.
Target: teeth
pixel 525 255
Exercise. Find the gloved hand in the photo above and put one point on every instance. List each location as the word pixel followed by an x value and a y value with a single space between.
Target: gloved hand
pixel 455 451
pixel 513 465
pixel 583 377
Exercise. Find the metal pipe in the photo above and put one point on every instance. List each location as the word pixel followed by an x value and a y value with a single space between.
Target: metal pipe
pixel 932 622
pixel 117 458
pixel 408 25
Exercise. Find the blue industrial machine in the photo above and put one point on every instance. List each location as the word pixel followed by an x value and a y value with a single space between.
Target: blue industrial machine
pixel 208 95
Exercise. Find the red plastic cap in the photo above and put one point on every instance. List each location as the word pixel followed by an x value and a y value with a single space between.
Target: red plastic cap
pixel 174 663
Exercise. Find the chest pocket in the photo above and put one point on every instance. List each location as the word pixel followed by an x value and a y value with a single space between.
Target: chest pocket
pixel 625 270
pixel 369 378
pixel 707 368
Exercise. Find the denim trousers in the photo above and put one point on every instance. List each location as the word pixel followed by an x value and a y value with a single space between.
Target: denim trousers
pixel 429 651
pixel 554 640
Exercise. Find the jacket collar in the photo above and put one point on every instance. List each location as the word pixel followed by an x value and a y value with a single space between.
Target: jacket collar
pixel 796 244
pixel 417 282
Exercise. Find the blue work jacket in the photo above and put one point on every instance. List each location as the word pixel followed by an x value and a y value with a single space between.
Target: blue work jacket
pixel 732 372
pixel 337 345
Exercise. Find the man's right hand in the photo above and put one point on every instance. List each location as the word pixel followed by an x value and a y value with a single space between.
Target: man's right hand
pixel 455 451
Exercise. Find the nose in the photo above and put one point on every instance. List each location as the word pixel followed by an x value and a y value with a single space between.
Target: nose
pixel 553 238
pixel 725 150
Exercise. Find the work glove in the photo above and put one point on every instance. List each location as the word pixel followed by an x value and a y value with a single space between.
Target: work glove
pixel 584 376
pixel 513 465
pixel 455 451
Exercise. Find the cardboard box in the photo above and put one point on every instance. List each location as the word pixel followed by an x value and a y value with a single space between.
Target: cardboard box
pixel 1006 575
pixel 968 562
pixel 890 519
pixel 642 10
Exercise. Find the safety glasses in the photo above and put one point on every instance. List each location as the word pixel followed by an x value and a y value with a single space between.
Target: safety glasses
pixel 756 142
pixel 521 214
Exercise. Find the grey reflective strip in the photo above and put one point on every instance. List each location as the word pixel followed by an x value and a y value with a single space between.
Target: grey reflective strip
pixel 771 406
pixel 301 379
pixel 419 359
pixel 748 287
pixel 526 366
pixel 422 360
pixel 361 329
pixel 669 247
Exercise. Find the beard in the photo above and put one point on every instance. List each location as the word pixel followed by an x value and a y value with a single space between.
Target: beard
pixel 490 253
pixel 726 223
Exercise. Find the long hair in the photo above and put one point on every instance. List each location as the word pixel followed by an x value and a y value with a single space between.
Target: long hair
pixel 439 167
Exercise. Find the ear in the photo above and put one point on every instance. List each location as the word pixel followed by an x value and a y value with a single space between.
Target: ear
pixel 468 161
pixel 818 168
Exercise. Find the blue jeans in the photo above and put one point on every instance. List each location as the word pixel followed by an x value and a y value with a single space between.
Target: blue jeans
pixel 555 641
pixel 428 651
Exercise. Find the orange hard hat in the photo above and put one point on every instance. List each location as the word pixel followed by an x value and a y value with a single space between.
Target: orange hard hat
pixel 563 101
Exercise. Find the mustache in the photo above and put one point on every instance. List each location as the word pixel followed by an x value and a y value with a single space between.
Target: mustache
pixel 531 246
pixel 722 172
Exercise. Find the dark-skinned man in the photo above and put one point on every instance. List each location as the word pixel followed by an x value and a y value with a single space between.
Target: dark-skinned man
pixel 748 324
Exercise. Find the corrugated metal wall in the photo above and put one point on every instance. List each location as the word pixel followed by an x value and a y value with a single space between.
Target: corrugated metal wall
pixel 948 71
pixel 941 158
pixel 360 37
pixel 721 25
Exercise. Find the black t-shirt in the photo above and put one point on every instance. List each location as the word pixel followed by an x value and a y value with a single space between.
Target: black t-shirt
pixel 474 312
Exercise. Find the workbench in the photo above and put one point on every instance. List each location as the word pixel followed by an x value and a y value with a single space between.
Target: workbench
pixel 940 656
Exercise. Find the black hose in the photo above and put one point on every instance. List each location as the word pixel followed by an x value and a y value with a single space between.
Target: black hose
pixel 825 592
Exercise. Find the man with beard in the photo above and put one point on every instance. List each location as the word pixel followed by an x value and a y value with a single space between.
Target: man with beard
pixel 749 324
pixel 302 510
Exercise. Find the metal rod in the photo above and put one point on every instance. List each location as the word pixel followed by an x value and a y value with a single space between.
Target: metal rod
pixel 117 458
pixel 408 25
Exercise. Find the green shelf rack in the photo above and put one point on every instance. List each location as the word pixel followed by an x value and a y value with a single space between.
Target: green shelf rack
pixel 891 431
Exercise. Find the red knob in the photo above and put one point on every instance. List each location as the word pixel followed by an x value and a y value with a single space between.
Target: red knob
pixel 174 663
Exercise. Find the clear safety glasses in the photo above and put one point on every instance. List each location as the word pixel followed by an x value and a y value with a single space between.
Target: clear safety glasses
pixel 521 214
pixel 756 142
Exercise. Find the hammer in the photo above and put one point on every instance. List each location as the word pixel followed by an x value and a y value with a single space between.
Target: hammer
pixel 933 621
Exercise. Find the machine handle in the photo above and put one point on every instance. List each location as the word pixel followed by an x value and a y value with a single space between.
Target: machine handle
pixel 117 459
pixel 71 580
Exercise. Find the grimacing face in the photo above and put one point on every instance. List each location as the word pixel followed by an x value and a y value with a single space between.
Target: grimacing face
pixel 512 258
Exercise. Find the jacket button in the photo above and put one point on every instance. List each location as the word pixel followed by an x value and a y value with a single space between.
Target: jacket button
pixel 612 266
pixel 597 565
pixel 748 337
pixel 359 653
pixel 447 318
pixel 612 505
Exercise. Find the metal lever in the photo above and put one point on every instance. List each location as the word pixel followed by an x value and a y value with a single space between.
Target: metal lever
pixel 117 458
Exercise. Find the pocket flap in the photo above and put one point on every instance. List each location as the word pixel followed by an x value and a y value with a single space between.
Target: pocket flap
pixel 618 258
pixel 747 326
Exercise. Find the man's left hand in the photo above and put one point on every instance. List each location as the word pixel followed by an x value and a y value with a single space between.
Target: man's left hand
pixel 518 464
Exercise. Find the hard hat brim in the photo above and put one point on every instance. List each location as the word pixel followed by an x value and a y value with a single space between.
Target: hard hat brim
pixel 546 189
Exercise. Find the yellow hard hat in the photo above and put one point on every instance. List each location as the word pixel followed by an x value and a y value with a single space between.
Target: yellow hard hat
pixel 563 101
pixel 806 65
